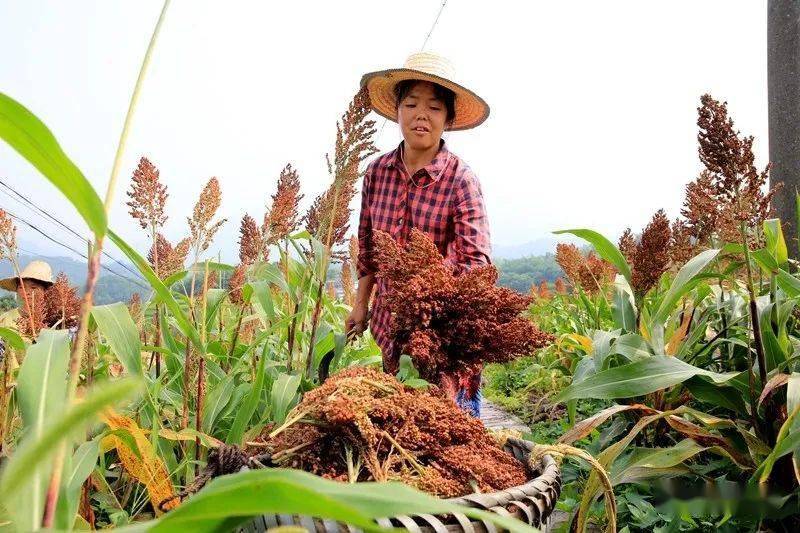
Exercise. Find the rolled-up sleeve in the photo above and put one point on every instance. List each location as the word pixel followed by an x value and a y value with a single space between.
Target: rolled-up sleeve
pixel 365 264
pixel 472 243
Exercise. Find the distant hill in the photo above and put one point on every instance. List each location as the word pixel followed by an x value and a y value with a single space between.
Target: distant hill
pixel 110 288
pixel 516 272
pixel 522 272
pixel 538 247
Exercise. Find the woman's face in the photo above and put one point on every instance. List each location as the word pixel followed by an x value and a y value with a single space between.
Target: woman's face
pixel 421 117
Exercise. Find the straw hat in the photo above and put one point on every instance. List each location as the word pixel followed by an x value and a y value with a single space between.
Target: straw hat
pixel 471 109
pixel 38 270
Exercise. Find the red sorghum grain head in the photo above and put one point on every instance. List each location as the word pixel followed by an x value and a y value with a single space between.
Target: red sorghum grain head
pixel 329 215
pixel 61 304
pixel 652 253
pixel 236 283
pixel 251 241
pixel 627 245
pixel 147 196
pixel 281 218
pixel 202 226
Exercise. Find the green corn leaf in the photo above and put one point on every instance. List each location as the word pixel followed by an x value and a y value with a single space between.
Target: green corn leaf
pixel 649 463
pixel 623 310
pixel 283 394
pixel 214 300
pixel 79 466
pixel 719 395
pixel 683 283
pixel 775 241
pixel 248 408
pixel 765 260
pixel 788 441
pixel 115 323
pixel 636 379
pixel 163 292
pixel 42 393
pixel 12 338
pixel 789 283
pixel 216 401
pixel 604 248
pixel 33 140
pixel 229 501
pixel 38 450
pixel 264 297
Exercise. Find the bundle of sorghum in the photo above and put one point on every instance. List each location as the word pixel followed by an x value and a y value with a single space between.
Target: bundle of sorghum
pixel 451 324
pixel 364 425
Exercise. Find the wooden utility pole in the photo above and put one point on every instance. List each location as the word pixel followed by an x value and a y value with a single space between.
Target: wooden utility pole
pixel 783 86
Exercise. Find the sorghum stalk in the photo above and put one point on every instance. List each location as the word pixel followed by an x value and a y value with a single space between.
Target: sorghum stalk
pixel 201 389
pixel 25 297
pixel 318 303
pixel 156 318
pixel 4 396
pixel 93 272
pixel 759 344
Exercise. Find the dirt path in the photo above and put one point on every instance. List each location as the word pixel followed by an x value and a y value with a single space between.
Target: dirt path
pixel 494 417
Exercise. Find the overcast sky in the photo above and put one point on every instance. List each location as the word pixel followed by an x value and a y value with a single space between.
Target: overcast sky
pixel 593 103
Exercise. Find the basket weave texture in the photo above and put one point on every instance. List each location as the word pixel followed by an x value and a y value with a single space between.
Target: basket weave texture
pixel 532 503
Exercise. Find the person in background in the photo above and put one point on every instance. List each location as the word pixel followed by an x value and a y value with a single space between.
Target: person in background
pixel 421 184
pixel 36 276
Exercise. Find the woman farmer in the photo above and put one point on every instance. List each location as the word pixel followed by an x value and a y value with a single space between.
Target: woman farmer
pixel 36 277
pixel 421 184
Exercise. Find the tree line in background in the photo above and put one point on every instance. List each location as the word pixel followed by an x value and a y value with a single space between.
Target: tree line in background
pixel 518 274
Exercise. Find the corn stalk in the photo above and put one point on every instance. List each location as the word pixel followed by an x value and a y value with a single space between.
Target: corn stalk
pixel 93 274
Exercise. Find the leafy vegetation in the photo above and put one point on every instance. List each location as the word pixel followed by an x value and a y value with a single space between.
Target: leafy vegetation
pixel 691 352
pixel 675 372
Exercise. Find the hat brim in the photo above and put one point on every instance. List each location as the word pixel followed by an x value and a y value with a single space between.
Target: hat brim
pixel 10 284
pixel 471 109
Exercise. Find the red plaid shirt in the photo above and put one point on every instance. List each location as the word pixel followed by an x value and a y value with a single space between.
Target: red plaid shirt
pixel 444 200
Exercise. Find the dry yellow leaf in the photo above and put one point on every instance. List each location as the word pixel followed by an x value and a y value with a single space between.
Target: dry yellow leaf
pixel 148 469
pixel 583 340
pixel 680 333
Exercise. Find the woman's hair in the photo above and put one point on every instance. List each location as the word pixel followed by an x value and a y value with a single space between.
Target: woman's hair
pixel 444 94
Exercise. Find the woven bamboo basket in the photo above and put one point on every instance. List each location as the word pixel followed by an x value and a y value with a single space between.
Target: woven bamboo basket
pixel 532 503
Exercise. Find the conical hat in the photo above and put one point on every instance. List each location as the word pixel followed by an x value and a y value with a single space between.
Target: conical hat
pixel 471 109
pixel 38 270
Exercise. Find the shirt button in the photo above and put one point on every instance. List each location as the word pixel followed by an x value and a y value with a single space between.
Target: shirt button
pixel 400 221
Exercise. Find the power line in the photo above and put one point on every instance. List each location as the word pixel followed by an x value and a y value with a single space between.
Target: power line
pixel 73 250
pixel 424 44
pixel 435 22
pixel 41 212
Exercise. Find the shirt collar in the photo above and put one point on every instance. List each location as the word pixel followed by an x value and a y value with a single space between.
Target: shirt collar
pixel 434 168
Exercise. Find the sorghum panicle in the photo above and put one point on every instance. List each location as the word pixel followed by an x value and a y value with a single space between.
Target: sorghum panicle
pixel 61 302
pixel 251 241
pixel 281 218
pixel 652 253
pixel 329 214
pixel 148 196
pixel 201 227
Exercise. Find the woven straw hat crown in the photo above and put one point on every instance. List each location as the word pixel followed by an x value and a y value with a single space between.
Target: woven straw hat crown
pixel 471 109
pixel 36 270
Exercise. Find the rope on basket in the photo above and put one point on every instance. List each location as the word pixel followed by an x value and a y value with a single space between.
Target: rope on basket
pixel 222 460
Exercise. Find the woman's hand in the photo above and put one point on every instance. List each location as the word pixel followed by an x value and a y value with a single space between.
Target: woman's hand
pixel 356 322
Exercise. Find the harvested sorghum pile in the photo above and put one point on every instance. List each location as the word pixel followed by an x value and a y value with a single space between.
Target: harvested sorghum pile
pixel 364 425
